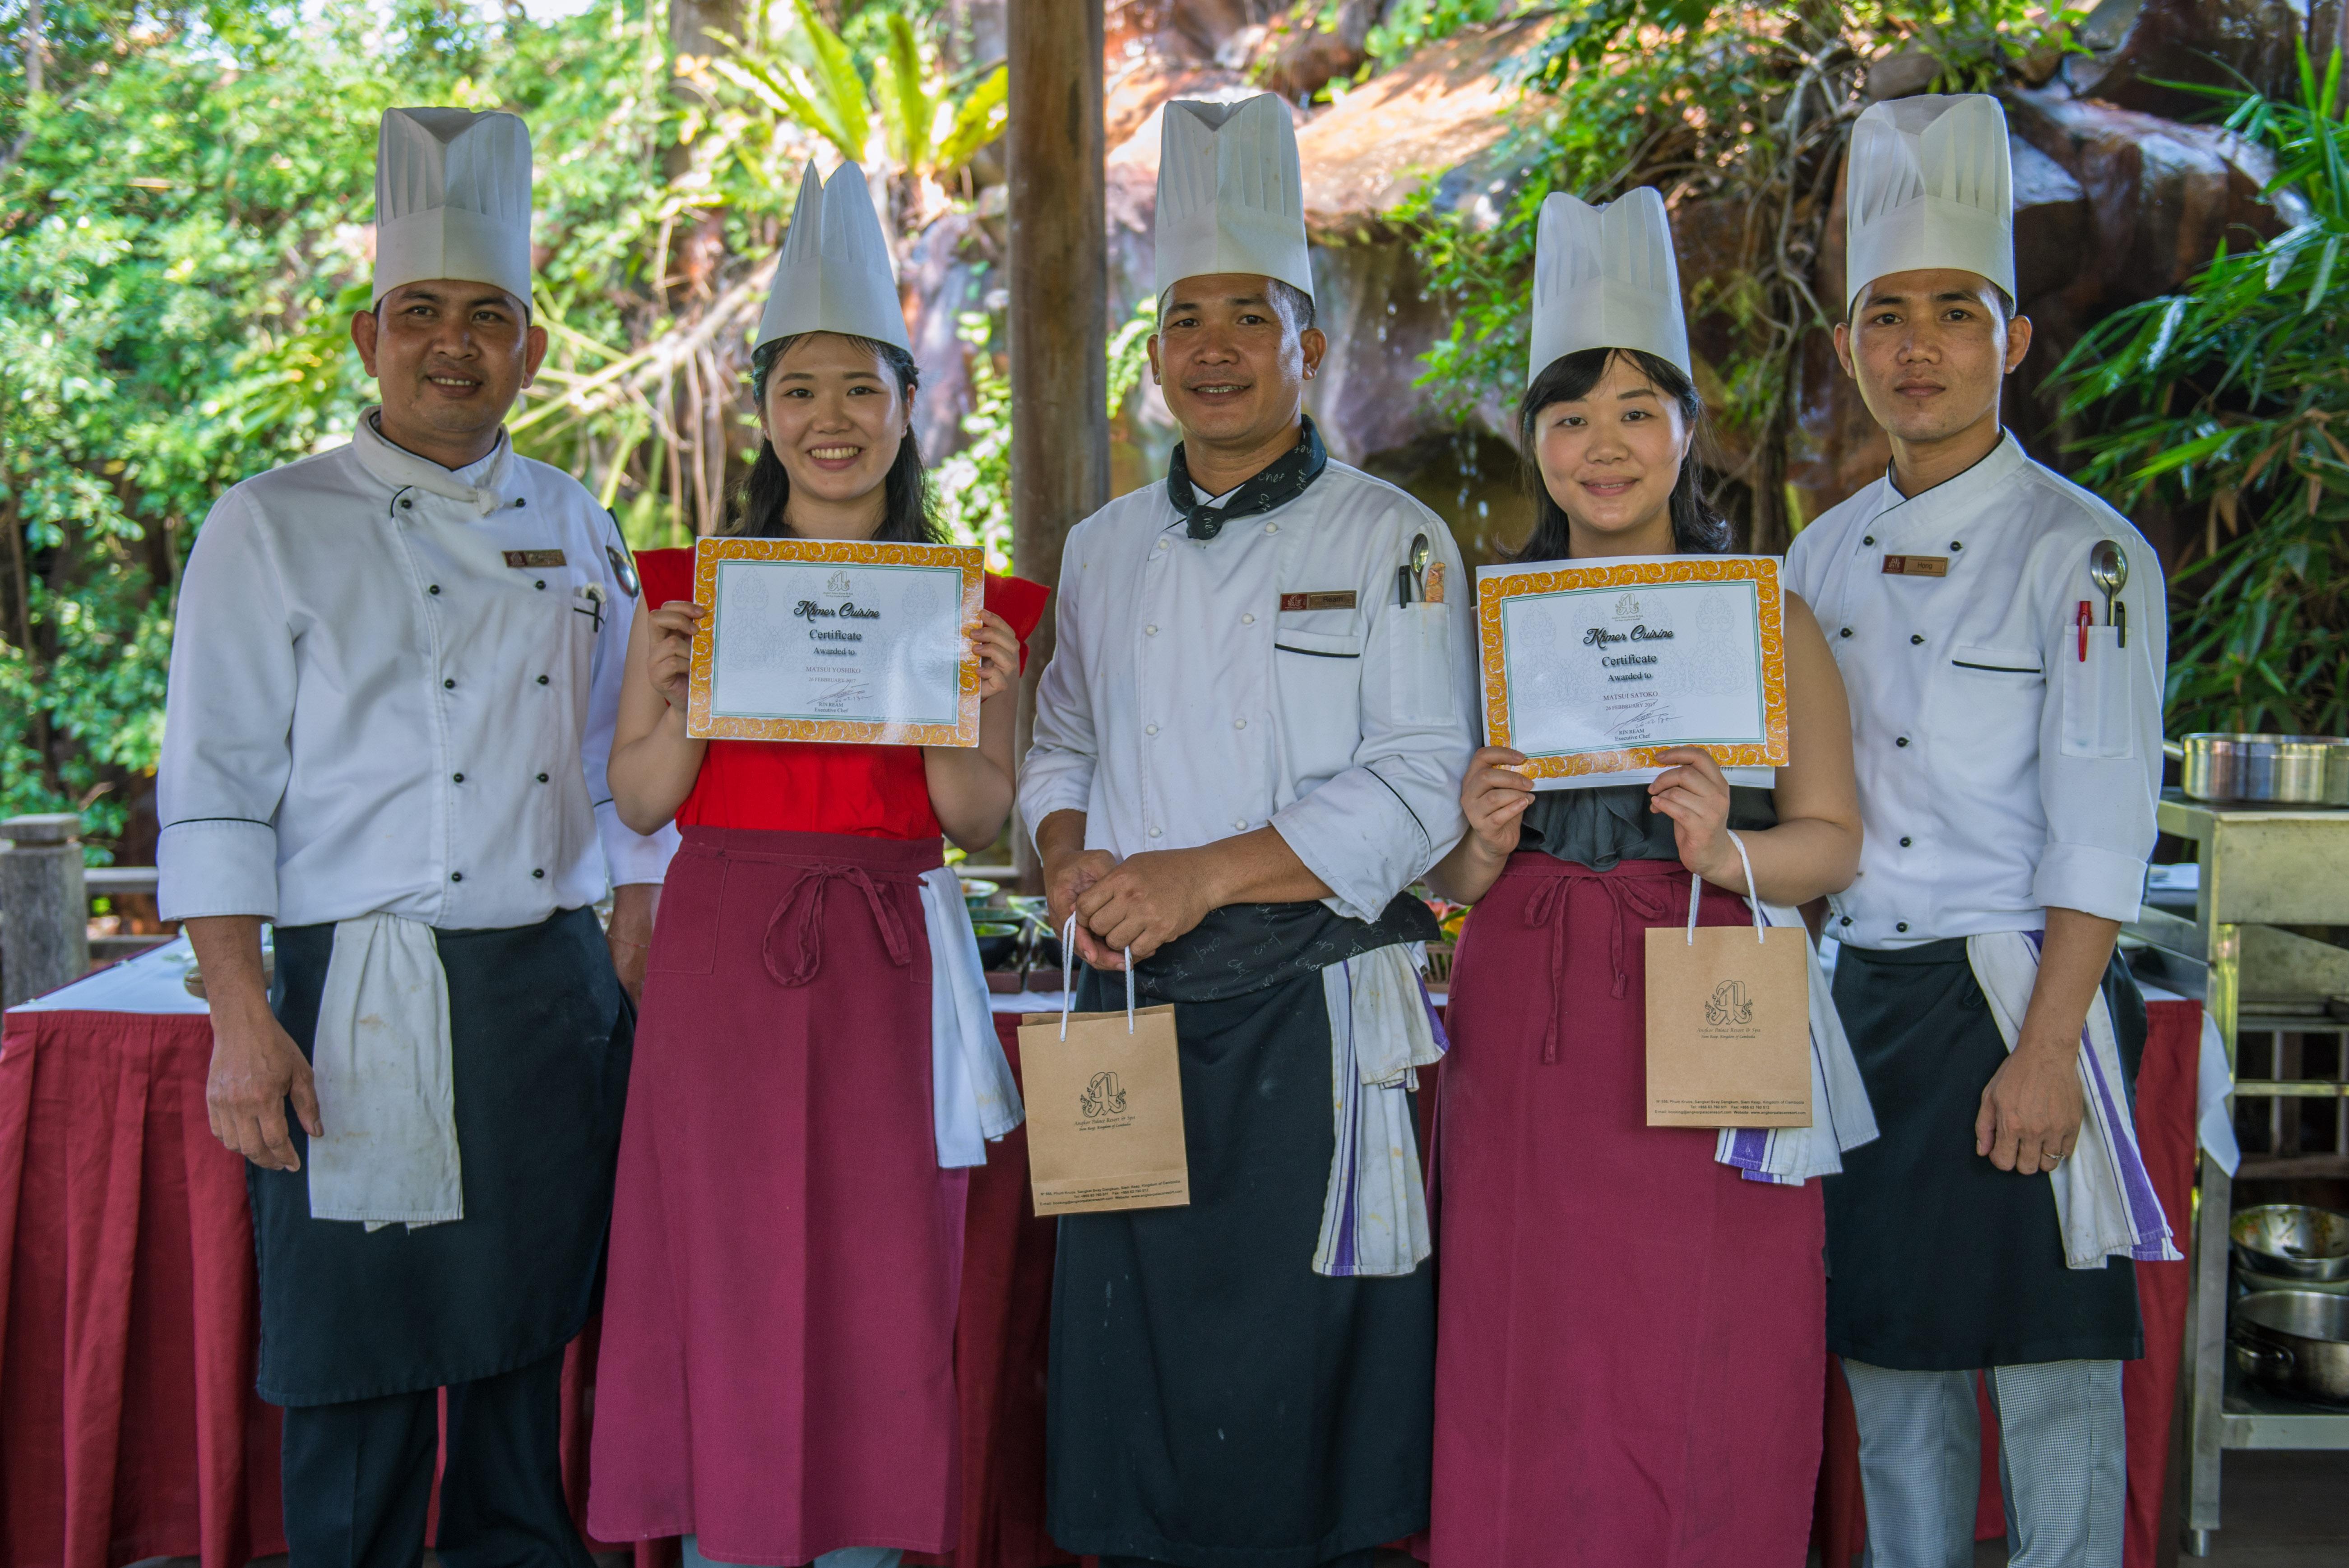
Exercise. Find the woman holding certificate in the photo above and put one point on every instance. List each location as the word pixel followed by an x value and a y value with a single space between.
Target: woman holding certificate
pixel 1630 1361
pixel 815 1069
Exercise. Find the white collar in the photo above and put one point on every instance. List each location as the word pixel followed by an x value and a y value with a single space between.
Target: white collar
pixel 480 485
pixel 1959 491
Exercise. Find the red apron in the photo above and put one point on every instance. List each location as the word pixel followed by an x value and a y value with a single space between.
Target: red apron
pixel 777 1369
pixel 1631 1352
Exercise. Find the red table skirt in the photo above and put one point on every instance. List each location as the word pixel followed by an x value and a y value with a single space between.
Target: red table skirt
pixel 128 1320
pixel 2164 1129
pixel 130 1428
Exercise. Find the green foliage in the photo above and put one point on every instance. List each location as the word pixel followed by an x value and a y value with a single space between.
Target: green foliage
pixel 2232 399
pixel 183 235
pixel 972 489
pixel 1409 24
pixel 1744 108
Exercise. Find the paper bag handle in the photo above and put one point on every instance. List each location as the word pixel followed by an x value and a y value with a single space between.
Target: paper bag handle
pixel 1069 977
pixel 1753 900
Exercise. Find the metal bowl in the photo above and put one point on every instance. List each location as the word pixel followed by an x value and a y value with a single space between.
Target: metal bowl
pixel 2296 1342
pixel 2265 769
pixel 2292 1241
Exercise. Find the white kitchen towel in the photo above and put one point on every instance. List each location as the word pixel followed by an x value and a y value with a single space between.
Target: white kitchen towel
pixel 381 1063
pixel 1841 1117
pixel 973 1099
pixel 1382 1030
pixel 2214 1081
pixel 2105 1200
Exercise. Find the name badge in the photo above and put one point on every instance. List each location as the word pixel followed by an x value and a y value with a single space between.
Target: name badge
pixel 533 558
pixel 1326 601
pixel 1915 567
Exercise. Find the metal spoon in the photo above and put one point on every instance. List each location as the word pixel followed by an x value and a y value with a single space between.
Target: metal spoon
pixel 2108 569
pixel 1419 557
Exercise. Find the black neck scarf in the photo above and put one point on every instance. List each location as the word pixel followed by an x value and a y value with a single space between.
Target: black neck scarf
pixel 1288 476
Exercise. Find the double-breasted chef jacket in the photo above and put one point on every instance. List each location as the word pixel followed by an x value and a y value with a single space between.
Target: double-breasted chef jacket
pixel 393 692
pixel 393 688
pixel 1205 688
pixel 2000 774
pixel 1213 1399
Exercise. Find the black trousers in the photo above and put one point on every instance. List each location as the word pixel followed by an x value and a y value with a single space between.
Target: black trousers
pixel 359 1476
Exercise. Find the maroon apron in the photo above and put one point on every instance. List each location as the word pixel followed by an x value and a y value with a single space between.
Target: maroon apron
pixel 777 1370
pixel 1630 1355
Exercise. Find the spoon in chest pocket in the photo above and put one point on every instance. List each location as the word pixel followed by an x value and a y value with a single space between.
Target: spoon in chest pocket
pixel 1419 558
pixel 2108 569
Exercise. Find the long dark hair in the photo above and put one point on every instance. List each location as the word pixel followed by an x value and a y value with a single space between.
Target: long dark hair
pixel 1697 529
pixel 758 510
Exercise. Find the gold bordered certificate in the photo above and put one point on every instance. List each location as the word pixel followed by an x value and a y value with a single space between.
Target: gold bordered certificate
pixel 840 641
pixel 1592 667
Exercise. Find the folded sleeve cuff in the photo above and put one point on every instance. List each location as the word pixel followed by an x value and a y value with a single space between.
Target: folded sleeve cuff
pixel 1044 790
pixel 1348 838
pixel 632 857
pixel 2094 881
pixel 225 866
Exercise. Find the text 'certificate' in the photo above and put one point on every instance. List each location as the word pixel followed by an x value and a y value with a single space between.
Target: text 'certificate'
pixel 1592 667
pixel 835 641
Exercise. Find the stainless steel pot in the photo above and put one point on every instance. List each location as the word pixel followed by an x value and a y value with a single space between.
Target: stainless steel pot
pixel 2292 1241
pixel 2296 1342
pixel 2265 769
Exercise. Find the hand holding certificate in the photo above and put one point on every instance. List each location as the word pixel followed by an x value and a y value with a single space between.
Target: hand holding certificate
pixel 837 641
pixel 1591 668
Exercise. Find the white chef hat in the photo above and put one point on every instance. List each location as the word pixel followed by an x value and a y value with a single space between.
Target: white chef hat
pixel 453 199
pixel 1231 198
pixel 1932 185
pixel 833 273
pixel 1605 277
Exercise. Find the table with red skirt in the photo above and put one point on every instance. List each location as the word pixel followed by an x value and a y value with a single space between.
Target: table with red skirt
pixel 128 1424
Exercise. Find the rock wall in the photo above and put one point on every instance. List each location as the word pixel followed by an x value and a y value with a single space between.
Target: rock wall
pixel 2118 199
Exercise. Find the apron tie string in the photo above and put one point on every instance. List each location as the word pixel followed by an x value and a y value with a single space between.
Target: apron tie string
pixel 803 906
pixel 1547 907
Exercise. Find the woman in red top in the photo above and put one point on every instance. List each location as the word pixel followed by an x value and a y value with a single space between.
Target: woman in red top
pixel 776 1375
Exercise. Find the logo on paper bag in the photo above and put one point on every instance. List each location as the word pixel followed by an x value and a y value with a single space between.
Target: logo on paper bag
pixel 1104 1096
pixel 1729 1005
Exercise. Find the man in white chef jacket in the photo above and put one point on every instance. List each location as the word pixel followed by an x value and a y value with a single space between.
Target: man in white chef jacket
pixel 394 676
pixel 1248 744
pixel 2007 721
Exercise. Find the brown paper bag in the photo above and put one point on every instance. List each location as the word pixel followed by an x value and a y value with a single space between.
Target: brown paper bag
pixel 1729 1024
pixel 1104 1096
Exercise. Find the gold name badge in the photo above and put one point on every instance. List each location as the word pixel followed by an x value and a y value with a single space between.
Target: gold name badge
pixel 531 558
pixel 1325 601
pixel 1915 567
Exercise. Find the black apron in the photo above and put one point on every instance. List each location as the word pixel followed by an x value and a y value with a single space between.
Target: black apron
pixel 1937 1260
pixel 541 1037
pixel 1214 1402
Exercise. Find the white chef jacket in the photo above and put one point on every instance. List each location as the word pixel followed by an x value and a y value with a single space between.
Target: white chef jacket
pixel 388 694
pixel 1183 705
pixel 1999 773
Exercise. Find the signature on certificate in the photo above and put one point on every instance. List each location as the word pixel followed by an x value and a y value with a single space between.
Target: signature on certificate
pixel 833 693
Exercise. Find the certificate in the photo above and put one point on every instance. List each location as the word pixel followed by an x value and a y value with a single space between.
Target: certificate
pixel 835 641
pixel 1592 667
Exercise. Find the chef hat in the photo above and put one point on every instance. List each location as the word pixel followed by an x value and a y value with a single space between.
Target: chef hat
pixel 1931 185
pixel 1605 277
pixel 1231 198
pixel 833 273
pixel 452 200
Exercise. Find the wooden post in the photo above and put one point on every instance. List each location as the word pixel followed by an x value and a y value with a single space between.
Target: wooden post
pixel 1059 314
pixel 44 906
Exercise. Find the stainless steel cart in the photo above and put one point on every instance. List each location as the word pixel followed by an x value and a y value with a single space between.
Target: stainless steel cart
pixel 2261 868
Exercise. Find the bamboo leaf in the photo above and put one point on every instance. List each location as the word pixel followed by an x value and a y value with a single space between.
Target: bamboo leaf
pixel 2324 275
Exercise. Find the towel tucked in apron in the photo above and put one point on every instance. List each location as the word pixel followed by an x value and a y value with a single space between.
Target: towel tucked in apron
pixel 1937 1260
pixel 537 1053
